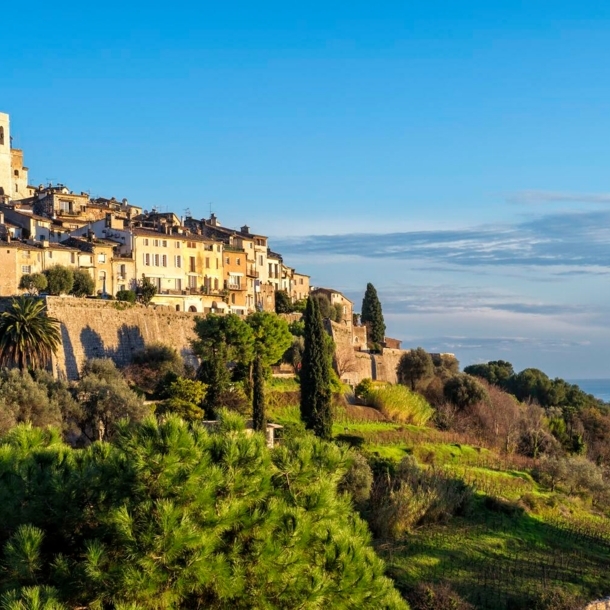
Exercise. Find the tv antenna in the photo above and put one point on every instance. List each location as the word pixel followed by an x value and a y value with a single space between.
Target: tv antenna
pixel 187 212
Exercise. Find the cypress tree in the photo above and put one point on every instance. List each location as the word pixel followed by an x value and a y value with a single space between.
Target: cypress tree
pixel 316 410
pixel 258 395
pixel 372 315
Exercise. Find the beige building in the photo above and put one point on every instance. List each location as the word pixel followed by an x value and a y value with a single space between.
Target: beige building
pixel 17 259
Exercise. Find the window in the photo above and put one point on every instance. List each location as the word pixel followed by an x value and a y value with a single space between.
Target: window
pixel 50 254
pixel 233 298
pixel 16 173
pixel 164 243
pixel 217 264
pixel 146 241
pixel 207 262
pixel 260 259
pixel 228 260
pixel 178 261
pixel 101 258
pixel 164 260
pixel 177 244
pixel 91 260
pixel 192 281
pixel 178 283
pixel 26 268
pixel 191 244
pixel 215 283
pixel 156 243
pixel 41 237
pixel 192 264
pixel 72 257
pixel 156 260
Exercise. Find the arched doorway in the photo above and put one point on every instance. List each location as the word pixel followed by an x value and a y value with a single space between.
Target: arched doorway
pixel 192 308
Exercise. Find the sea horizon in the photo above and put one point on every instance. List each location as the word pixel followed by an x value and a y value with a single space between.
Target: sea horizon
pixel 598 387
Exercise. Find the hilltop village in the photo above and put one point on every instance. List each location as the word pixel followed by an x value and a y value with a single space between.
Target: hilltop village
pixel 195 265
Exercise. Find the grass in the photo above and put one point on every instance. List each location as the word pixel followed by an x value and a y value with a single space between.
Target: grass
pixel 517 543
pixel 400 404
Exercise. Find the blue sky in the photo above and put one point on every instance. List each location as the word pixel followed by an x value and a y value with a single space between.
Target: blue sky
pixel 455 154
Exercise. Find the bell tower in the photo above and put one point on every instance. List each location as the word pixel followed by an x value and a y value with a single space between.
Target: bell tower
pixel 6 187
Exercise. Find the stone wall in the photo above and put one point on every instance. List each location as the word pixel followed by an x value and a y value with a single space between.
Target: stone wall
pixel 354 366
pixel 102 329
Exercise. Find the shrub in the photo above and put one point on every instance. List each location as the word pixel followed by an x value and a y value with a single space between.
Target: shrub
pixel 128 296
pixel 413 496
pixel 59 279
pixel 401 404
pixel 175 516
pixel 33 283
pixel 358 480
pixel 83 285
pixel 464 391
pixel 436 596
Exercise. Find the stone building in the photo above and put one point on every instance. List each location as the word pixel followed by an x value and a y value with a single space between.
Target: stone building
pixel 13 175
pixel 337 298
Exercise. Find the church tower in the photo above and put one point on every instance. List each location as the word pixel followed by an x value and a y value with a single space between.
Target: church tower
pixel 13 175
pixel 6 187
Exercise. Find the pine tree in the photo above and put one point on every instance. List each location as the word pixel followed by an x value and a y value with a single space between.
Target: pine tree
pixel 316 409
pixel 258 395
pixel 372 315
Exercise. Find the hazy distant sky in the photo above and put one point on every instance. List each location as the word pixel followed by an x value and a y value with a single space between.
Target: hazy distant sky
pixel 456 154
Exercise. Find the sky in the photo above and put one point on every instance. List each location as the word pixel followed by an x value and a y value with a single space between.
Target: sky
pixel 454 154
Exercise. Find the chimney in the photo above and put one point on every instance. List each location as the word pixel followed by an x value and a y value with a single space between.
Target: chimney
pixel 90 236
pixel 245 229
pixel 213 220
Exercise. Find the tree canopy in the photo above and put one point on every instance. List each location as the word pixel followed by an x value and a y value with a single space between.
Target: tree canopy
pixel 171 516
pixel 414 366
pixel 84 285
pixel 60 279
pixel 372 315
pixel 316 409
pixel 33 283
pixel 28 337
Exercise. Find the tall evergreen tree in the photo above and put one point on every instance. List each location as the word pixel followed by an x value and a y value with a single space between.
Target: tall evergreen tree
pixel 258 395
pixel 316 409
pixel 372 315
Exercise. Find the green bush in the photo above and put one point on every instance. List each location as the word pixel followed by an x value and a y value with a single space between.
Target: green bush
pixel 175 516
pixel 400 404
pixel 412 496
pixel 128 296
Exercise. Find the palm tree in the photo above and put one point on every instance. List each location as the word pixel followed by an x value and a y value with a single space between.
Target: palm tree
pixel 28 337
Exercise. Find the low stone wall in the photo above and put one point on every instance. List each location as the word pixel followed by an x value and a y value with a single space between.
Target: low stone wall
pixel 92 328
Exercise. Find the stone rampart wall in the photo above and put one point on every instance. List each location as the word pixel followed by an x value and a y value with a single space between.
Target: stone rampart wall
pixel 92 328
pixel 354 366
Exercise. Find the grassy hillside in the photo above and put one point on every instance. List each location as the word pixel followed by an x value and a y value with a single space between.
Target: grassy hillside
pixel 519 545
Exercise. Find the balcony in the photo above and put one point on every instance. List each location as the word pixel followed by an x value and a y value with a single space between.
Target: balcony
pixel 251 272
pixel 231 286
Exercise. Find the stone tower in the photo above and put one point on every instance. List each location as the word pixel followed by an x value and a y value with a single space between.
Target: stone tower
pixel 13 175
pixel 6 189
